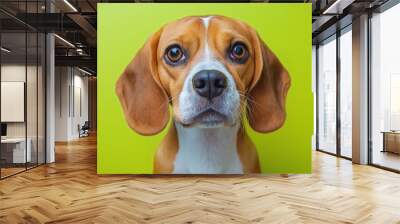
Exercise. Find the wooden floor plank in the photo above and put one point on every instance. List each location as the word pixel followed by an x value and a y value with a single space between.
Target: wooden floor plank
pixel 70 191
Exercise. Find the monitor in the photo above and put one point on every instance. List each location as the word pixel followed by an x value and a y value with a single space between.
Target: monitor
pixel 3 129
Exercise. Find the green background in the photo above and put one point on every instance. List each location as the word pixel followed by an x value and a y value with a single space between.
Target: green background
pixel 124 28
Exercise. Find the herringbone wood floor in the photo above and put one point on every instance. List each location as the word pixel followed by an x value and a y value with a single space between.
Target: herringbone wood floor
pixel 70 191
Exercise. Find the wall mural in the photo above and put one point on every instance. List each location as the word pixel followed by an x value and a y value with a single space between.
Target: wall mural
pixel 204 88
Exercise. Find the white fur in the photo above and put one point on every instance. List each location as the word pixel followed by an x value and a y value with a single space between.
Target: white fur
pixel 206 22
pixel 208 150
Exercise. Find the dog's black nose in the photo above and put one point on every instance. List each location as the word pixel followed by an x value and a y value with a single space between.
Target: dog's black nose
pixel 209 83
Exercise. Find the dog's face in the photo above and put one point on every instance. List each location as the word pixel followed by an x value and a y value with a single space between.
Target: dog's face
pixel 206 64
pixel 210 69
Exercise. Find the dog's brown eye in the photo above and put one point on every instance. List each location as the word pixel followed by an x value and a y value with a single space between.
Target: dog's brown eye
pixel 238 53
pixel 174 55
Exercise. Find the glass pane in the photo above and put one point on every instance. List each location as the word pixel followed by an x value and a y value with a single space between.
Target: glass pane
pixel 32 95
pixel 13 89
pixel 327 96
pixel 386 89
pixel 314 78
pixel 346 94
pixel 31 86
pixel 22 89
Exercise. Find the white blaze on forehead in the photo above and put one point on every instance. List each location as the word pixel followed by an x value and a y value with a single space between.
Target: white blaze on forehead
pixel 206 22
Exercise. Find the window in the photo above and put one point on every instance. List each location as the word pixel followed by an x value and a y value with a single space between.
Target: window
pixel 385 89
pixel 327 96
pixel 22 77
pixel 346 75
pixel 335 74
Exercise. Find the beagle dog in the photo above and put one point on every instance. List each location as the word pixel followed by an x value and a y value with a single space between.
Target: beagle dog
pixel 214 72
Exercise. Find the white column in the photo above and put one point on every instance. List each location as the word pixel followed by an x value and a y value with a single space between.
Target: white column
pixel 50 92
pixel 360 90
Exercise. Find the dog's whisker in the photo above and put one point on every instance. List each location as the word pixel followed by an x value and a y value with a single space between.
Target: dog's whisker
pixel 170 99
pixel 250 104
pixel 242 111
pixel 250 111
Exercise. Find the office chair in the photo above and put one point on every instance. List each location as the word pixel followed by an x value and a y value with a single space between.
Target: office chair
pixel 84 130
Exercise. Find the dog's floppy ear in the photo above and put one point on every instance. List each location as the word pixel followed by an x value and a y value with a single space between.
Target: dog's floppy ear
pixel 266 107
pixel 143 100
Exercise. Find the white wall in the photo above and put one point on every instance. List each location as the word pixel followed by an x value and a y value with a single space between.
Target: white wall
pixel 71 102
pixel 81 84
pixel 16 73
pixel 62 81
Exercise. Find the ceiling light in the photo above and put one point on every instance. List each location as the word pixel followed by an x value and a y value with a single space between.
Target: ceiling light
pixel 5 50
pixel 79 51
pixel 65 41
pixel 337 7
pixel 84 71
pixel 70 5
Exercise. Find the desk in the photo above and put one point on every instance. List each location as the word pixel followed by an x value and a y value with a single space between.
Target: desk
pixel 391 141
pixel 15 148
